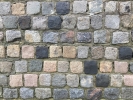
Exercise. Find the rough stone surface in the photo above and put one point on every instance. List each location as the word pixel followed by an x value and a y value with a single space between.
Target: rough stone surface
pixel 97 52
pixel 128 80
pixel 131 67
pixel 72 80
pixel 102 80
pixel 69 22
pixel 50 37
pixel 39 22
pixel 35 65
pixel 1 23
pixel 127 93
pixel 83 51
pixel 69 51
pixel 63 66
pixel 30 80
pixel 2 51
pixel 27 51
pixel 101 36
pixel 106 66
pixel 76 66
pixel 18 9
pixel 21 66
pixel 55 51
pixel 111 93
pixel 125 53
pixel 110 6
pixel 125 7
pixel 127 21
pixel 41 52
pixel 45 79
pixel 67 37
pixel 12 35
pixel 62 7
pixel 95 6
pixel 96 21
pixel 48 8
pixel 83 23
pixel 24 22
pixel 120 37
pixel 112 21
pixel 5 66
pixel 76 93
pixel 120 67
pixel 116 80
pixel 111 53
pixel 5 8
pixel 79 6
pixel 16 80
pixel 10 22
pixel 32 36
pixel 94 94
pixel 1 36
pixel 10 93
pixel 86 81
pixel 33 7
pixel 90 67
pixel 13 50
pixel 26 93
pixel 49 66
pixel 54 22
pixel 42 93
pixel 3 80
pixel 84 37
pixel 59 94
pixel 59 80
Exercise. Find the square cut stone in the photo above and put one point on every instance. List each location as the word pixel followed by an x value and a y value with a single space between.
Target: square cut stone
pixel 110 6
pixel 63 66
pixel 128 80
pixel 106 66
pixel 83 51
pixel 3 80
pixel 39 22
pixel 112 21
pixel 5 66
pixel 5 8
pixel 16 80
pixel 13 50
pixel 18 9
pixel 2 51
pixel 45 79
pixel 125 7
pixel 111 53
pixel 30 80
pixel 32 36
pixel 69 51
pixel 120 67
pixel 83 23
pixel 26 93
pixel 127 93
pixel 79 6
pixel 42 52
pixel 33 7
pixel 127 20
pixel 21 66
pixel 55 51
pixel 96 21
pixel 49 66
pixel 116 80
pixel 28 51
pixel 76 66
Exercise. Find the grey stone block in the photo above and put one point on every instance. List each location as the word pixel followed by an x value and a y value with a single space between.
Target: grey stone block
pixel 96 21
pixel 21 66
pixel 11 35
pixel 63 66
pixel 83 51
pixel 43 93
pixel 110 6
pixel 60 94
pixel 127 93
pixel 3 80
pixel 33 7
pixel 76 93
pixel 45 79
pixel 48 8
pixel 86 80
pixel 10 22
pixel 26 93
pixel 5 8
pixel 35 65
pixel 10 93
pixel 1 22
pixel 59 80
pixel 50 37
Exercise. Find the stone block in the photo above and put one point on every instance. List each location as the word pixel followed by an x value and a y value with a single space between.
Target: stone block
pixel 128 80
pixel 106 66
pixel 2 51
pixel 111 6
pixel 76 66
pixel 55 51
pixel 3 80
pixel 5 66
pixel 116 80
pixel 21 66
pixel 45 79
pixel 5 8
pixel 28 51
pixel 49 66
pixel 13 50
pixel 26 93
pixel 127 93
pixel 18 9
pixel 42 52
pixel 125 7
pixel 83 51
pixel 63 66
pixel 69 51
pixel 96 21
